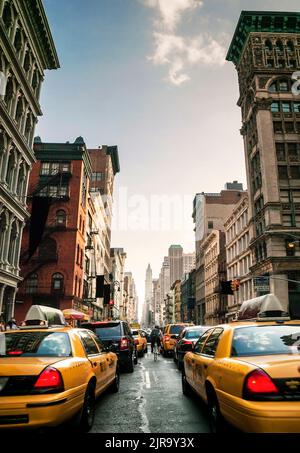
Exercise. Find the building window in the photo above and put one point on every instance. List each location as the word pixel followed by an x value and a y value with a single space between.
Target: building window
pixel 278 129
pixel 275 107
pixel 289 127
pixel 61 218
pixel 97 176
pixel 295 172
pixel 51 168
pixel 290 46
pixel 282 172
pixel 45 168
pixel 32 284
pixel 280 85
pixel 57 282
pixel 268 45
pixel 286 107
pixel 286 220
pixel 280 152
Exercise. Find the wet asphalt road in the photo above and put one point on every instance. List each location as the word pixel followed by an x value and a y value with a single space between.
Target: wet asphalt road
pixel 150 400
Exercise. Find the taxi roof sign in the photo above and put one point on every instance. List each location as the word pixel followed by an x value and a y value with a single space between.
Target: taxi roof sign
pixel 263 308
pixel 42 316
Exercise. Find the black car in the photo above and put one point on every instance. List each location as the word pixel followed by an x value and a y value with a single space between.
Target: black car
pixel 186 341
pixel 117 336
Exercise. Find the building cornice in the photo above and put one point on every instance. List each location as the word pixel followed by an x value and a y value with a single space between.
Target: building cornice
pixel 260 21
pixel 34 14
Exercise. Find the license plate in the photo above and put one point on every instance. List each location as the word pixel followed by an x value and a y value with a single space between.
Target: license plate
pixel 3 381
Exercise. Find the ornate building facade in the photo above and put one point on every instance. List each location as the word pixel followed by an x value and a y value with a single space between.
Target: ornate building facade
pixel 266 52
pixel 26 51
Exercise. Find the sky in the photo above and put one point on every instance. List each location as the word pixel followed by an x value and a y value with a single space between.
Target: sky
pixel 150 76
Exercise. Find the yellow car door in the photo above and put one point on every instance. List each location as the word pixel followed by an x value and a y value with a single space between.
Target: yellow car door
pixel 108 358
pixel 205 359
pixel 96 358
pixel 192 357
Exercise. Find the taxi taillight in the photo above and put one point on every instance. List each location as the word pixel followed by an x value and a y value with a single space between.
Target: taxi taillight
pixel 259 383
pixel 136 341
pixel 49 380
pixel 123 344
pixel 166 337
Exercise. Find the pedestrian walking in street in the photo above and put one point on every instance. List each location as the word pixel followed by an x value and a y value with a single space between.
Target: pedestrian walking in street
pixel 12 325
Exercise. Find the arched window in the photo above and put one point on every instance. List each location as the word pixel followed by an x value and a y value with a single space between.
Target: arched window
pixel 76 284
pixel 35 80
pixel 21 180
pixel 280 85
pixel 28 126
pixel 27 61
pixel 20 110
pixel 61 218
pixel 10 169
pixel 279 45
pixel 3 228
pixel 12 243
pixel 290 46
pixel 9 91
pixel 7 15
pixel 32 284
pixel 18 40
pixel 269 45
pixel 57 282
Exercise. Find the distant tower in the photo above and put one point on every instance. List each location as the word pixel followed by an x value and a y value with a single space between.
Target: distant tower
pixel 148 309
pixel 266 52
pixel 176 263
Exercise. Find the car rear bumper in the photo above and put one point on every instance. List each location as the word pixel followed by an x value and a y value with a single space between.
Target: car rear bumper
pixel 168 346
pixel 261 416
pixel 39 410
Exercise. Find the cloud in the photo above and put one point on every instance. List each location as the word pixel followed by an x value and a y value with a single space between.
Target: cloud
pixel 179 52
pixel 172 10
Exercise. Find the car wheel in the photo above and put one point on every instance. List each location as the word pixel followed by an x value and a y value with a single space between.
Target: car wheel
pixel 179 365
pixel 146 350
pixel 130 364
pixel 175 358
pixel 87 415
pixel 165 354
pixel 186 388
pixel 216 420
pixel 116 383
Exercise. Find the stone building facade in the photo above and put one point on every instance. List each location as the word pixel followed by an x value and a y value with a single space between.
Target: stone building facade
pixel 266 52
pixel 26 51
pixel 238 255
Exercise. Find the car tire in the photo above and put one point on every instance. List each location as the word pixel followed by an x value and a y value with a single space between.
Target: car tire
pixel 114 388
pixel 135 358
pixel 130 363
pixel 186 388
pixel 179 365
pixel 165 354
pixel 87 414
pixel 175 358
pixel 216 420
pixel 146 350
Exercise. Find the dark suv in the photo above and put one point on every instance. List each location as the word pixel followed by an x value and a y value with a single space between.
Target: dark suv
pixel 117 336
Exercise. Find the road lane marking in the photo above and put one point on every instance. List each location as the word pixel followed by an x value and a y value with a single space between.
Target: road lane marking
pixel 148 383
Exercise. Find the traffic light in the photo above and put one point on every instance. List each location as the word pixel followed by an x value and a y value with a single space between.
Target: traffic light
pixel 226 288
pixel 290 248
pixel 106 294
pixel 111 303
pixel 235 284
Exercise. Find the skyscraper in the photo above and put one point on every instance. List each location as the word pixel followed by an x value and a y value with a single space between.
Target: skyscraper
pixel 266 52
pixel 176 263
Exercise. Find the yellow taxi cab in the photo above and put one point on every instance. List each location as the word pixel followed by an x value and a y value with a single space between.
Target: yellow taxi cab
pixel 248 371
pixel 51 372
pixel 140 339
pixel 170 336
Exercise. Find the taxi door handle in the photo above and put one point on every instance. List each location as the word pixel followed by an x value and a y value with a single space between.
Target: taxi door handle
pixel 205 367
pixel 94 364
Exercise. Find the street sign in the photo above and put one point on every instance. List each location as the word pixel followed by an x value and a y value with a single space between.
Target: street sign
pixel 261 283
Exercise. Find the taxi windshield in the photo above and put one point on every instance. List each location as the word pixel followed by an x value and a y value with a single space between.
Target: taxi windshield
pixel 135 333
pixel 35 344
pixel 176 329
pixel 194 333
pixel 266 340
